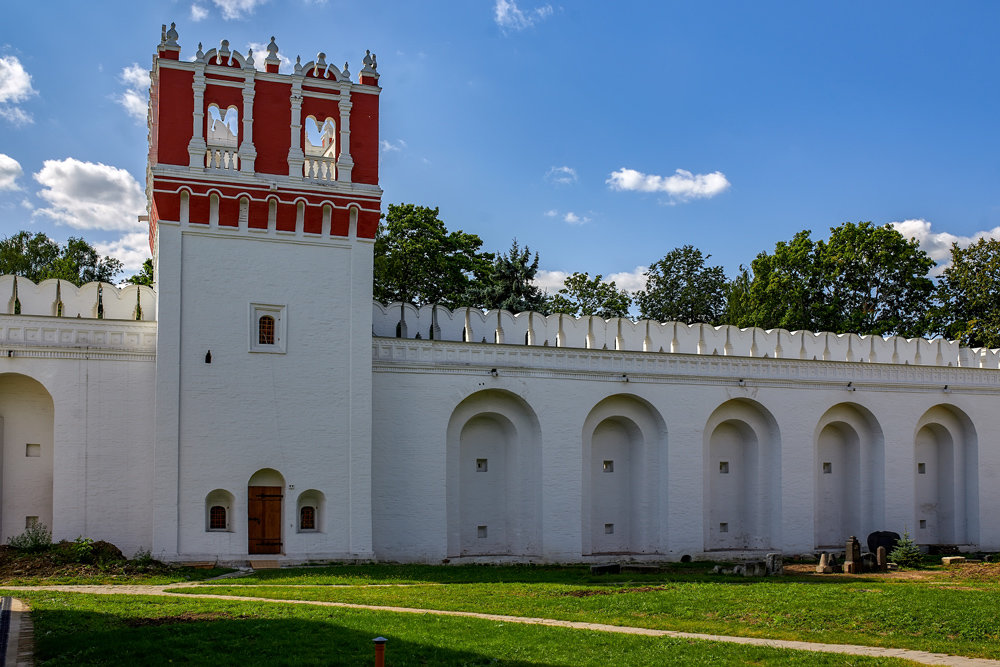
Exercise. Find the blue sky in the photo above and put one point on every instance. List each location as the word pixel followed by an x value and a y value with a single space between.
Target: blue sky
pixel 601 134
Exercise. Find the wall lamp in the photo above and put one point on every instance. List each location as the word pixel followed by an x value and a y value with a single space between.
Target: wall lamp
pixel 851 387
pixel 742 382
pixel 624 377
pixel 493 372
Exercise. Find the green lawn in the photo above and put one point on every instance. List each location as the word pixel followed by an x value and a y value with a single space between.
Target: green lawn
pixel 77 629
pixel 946 614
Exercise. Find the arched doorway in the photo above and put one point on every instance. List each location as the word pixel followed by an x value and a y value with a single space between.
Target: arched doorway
pixel 27 417
pixel 946 478
pixel 265 493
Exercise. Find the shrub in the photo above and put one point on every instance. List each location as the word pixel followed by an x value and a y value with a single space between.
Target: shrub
pixel 36 538
pixel 83 548
pixel 906 553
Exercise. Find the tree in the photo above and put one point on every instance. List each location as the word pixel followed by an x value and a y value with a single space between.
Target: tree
pixel 145 275
pixel 681 287
pixel 37 257
pixel 866 279
pixel 583 295
pixel 968 295
pixel 507 282
pixel 417 260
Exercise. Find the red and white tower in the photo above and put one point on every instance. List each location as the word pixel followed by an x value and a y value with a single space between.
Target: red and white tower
pixel 263 205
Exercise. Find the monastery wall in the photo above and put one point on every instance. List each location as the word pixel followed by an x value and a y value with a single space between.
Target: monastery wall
pixel 76 403
pixel 568 454
pixel 59 298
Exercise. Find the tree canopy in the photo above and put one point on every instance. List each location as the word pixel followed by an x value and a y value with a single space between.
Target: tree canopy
pixel 682 287
pixel 866 279
pixel 505 281
pixel 968 295
pixel 417 260
pixel 583 295
pixel 37 257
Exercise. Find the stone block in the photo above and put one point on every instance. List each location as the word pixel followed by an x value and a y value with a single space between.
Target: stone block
pixel 953 560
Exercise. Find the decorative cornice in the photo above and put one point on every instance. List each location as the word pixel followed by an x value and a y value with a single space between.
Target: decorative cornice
pixel 393 355
pixel 75 338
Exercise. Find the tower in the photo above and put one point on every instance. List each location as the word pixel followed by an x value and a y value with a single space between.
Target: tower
pixel 263 205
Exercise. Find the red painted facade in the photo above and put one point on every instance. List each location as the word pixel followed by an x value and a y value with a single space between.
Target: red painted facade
pixel 271 193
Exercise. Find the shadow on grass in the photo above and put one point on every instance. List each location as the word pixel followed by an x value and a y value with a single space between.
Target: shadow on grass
pixel 392 573
pixel 71 637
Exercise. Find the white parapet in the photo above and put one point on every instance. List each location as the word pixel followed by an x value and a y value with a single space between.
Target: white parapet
pixel 60 298
pixel 590 332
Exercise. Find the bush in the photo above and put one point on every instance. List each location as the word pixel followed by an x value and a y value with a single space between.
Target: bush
pixel 36 538
pixel 83 548
pixel 906 553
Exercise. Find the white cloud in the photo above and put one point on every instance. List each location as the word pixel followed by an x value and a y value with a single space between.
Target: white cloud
pixel 509 16
pixel 15 87
pixel 561 175
pixel 10 171
pixel 631 281
pixel 237 9
pixel 392 147
pixel 682 185
pixel 574 219
pixel 260 55
pixel 132 249
pixel 135 98
pixel 938 244
pixel 88 195
pixel 551 213
pixel 198 13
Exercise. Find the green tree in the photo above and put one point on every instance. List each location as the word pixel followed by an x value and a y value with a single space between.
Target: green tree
pixel 37 257
pixel 507 282
pixel 866 279
pixel 145 275
pixel 968 295
pixel 583 295
pixel 681 287
pixel 417 260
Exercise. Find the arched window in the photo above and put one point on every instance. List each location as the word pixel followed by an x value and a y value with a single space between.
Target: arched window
pixel 307 518
pixel 265 330
pixel 217 518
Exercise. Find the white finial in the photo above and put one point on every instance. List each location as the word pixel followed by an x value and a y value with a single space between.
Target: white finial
pixel 272 53
pixel 224 53
pixel 200 55
pixel 172 35
pixel 298 64
pixel 347 73
pixel 248 63
pixel 320 63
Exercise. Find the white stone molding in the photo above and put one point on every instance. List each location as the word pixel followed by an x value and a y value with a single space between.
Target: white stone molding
pixel 344 162
pixel 197 146
pixel 248 153
pixel 47 337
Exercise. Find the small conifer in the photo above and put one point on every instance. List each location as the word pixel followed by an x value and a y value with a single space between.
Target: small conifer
pixel 906 553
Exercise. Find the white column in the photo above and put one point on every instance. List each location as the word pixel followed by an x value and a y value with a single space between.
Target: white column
pixel 247 151
pixel 296 158
pixel 197 147
pixel 344 162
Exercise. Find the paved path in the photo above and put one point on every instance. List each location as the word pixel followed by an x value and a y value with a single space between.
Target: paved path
pixel 923 657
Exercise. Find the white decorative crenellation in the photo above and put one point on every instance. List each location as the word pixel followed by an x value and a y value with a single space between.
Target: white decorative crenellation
pixel 589 332
pixel 131 302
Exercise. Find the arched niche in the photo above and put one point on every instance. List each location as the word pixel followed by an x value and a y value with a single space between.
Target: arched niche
pixel 494 476
pixel 27 418
pixel 310 511
pixel 946 474
pixel 219 506
pixel 624 459
pixel 849 475
pixel 742 478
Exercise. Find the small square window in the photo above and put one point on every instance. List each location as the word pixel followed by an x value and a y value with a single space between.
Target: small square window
pixel 609 529
pixel 921 468
pixel 923 523
pixel 32 450
pixel 267 328
pixel 481 532
pixel 482 465
pixel 827 467
pixel 723 527
pixel 30 521
pixel 723 467
pixel 609 466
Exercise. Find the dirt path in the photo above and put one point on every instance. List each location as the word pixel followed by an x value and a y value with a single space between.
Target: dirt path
pixel 922 657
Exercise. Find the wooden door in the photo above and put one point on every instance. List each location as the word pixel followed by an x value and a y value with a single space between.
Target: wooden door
pixel 264 520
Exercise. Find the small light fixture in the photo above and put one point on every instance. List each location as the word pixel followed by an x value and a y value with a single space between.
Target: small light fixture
pixel 493 372
pixel 624 377
pixel 947 390
pixel 742 382
pixel 851 387
pixel 208 357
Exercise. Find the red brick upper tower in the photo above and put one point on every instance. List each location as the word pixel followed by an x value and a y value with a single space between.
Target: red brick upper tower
pixel 233 146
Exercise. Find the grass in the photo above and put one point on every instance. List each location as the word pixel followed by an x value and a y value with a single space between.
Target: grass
pixel 97 578
pixel 78 629
pixel 941 612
